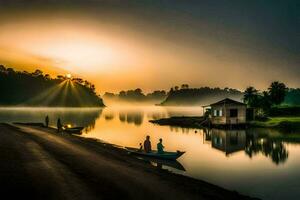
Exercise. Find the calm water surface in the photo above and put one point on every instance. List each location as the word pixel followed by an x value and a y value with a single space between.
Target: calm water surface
pixel 260 162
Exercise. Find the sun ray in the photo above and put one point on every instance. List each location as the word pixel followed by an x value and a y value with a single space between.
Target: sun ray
pixel 47 96
pixel 76 93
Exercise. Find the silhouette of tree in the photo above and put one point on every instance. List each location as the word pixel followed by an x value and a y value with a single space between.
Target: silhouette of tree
pixel 265 102
pixel 251 97
pixel 2 68
pixel 60 77
pixel 277 92
pixel 157 95
pixel 138 91
pixel 47 77
pixel 10 70
pixel 199 96
pixel 184 86
pixel 37 73
pixel 30 89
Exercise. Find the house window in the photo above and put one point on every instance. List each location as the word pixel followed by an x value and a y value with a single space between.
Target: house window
pixel 218 113
pixel 218 141
pixel 233 112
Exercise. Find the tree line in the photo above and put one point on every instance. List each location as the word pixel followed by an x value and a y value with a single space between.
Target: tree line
pixel 136 95
pixel 185 95
pixel 39 89
pixel 276 94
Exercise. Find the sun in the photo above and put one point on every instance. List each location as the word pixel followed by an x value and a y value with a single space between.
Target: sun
pixel 69 76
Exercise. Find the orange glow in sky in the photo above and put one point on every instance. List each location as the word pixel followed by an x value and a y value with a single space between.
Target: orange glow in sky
pixel 118 55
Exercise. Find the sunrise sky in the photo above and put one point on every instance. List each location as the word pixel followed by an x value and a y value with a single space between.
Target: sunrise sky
pixel 122 44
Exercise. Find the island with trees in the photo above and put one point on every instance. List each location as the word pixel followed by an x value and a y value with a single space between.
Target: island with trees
pixel 185 96
pixel 38 89
pixel 136 96
pixel 276 107
pixel 176 96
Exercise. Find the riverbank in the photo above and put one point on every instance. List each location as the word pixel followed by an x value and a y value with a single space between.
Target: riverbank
pixel 39 163
pixel 185 122
pixel 289 124
pixel 284 123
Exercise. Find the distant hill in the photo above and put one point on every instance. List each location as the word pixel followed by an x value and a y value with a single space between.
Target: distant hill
pixel 200 96
pixel 36 89
pixel 135 96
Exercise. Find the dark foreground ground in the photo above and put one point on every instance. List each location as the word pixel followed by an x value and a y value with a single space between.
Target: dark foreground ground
pixel 38 163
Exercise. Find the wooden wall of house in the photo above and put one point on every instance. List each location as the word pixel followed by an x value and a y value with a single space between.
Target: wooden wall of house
pixel 225 118
pixel 240 119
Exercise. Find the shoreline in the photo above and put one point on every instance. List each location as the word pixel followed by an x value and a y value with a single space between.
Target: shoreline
pixel 94 163
pixel 180 121
pixel 287 124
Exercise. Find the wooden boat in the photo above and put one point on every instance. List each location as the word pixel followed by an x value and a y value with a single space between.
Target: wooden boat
pixel 73 130
pixel 153 154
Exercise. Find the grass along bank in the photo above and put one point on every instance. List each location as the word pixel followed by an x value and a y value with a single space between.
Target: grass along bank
pixel 285 123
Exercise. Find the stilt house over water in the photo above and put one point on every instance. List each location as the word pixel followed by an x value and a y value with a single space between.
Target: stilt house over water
pixel 228 112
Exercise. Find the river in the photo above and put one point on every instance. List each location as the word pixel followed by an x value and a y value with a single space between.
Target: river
pixel 258 162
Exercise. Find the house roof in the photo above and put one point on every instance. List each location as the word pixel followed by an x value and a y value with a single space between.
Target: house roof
pixel 227 101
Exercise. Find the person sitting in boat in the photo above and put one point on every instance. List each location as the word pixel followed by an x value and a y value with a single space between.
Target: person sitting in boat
pixel 147 144
pixel 160 147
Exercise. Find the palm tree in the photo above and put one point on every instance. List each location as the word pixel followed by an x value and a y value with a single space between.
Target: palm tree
pixel 277 92
pixel 251 96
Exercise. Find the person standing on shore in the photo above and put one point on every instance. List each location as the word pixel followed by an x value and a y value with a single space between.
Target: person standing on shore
pixel 47 121
pixel 147 144
pixel 59 125
pixel 160 147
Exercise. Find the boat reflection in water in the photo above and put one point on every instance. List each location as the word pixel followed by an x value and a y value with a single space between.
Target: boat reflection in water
pixel 232 141
pixel 160 164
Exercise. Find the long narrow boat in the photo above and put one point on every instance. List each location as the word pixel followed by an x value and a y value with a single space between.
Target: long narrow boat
pixel 74 130
pixel 154 154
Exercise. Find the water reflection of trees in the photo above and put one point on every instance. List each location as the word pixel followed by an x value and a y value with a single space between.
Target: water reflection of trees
pixel 274 149
pixel 132 117
pixel 109 116
pixel 251 141
pixel 85 117
pixel 180 129
pixel 156 115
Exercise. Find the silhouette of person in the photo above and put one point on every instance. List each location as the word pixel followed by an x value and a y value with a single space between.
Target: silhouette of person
pixel 160 146
pixel 59 125
pixel 147 144
pixel 47 121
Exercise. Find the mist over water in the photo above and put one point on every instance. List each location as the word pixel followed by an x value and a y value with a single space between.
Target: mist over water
pixel 254 162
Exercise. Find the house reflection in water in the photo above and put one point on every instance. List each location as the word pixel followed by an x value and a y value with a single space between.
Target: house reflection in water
pixel 228 141
pixel 253 142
